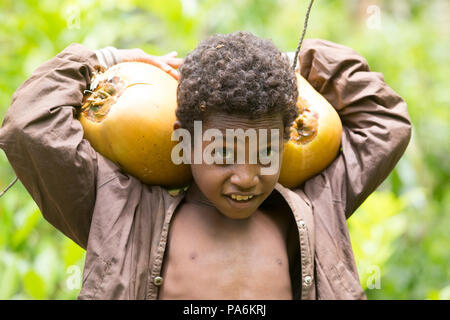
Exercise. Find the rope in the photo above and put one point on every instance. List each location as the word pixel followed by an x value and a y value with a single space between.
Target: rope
pixel 305 25
pixel 9 186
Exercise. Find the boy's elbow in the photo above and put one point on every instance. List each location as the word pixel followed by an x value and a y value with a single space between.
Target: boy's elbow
pixel 10 132
pixel 405 137
pixel 403 130
pixel 408 134
pixel 18 132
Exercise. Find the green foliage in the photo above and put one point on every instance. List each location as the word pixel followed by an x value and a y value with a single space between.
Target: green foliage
pixel 400 235
pixel 378 223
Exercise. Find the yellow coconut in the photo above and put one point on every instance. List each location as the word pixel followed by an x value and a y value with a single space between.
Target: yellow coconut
pixel 129 119
pixel 315 137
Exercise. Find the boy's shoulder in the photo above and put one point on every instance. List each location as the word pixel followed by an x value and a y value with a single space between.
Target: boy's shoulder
pixel 291 195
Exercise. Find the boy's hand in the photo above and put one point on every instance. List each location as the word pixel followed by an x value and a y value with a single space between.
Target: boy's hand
pixel 169 62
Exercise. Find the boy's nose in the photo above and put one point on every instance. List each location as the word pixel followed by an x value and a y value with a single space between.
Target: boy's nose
pixel 245 176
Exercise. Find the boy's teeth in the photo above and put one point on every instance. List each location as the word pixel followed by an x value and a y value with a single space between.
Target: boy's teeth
pixel 240 198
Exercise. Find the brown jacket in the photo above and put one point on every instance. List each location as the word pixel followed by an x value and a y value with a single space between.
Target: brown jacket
pixel 124 224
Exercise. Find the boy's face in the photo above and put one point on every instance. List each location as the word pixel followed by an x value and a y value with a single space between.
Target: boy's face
pixel 238 189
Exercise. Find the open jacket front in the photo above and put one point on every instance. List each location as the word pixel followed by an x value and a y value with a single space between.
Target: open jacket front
pixel 123 224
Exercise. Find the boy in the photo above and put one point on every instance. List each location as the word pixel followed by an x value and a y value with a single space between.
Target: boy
pixel 234 234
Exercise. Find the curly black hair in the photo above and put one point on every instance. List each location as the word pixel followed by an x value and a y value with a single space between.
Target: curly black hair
pixel 236 73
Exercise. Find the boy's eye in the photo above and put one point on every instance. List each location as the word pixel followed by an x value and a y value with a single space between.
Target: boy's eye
pixel 268 152
pixel 224 153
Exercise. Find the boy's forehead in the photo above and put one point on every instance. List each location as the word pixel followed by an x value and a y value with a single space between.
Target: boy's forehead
pixel 223 121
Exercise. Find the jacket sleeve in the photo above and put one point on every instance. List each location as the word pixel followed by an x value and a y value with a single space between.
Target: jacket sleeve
pixel 45 146
pixel 376 125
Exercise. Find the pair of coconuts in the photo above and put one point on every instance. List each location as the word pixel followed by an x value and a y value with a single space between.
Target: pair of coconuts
pixel 129 117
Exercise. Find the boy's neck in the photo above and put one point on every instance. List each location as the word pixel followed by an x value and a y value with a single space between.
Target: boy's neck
pixel 195 196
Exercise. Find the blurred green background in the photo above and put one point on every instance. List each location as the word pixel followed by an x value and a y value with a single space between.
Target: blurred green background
pixel 400 235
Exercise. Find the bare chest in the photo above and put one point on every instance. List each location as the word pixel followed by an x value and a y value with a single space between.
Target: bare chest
pixel 208 257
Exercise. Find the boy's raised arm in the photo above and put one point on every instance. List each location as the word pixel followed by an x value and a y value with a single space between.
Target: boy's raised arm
pixel 376 125
pixel 44 142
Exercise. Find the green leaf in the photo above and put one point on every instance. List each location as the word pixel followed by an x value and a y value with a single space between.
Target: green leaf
pixel 9 281
pixel 32 217
pixel 73 253
pixel 34 285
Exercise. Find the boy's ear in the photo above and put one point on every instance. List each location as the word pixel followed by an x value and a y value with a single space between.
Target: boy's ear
pixel 176 125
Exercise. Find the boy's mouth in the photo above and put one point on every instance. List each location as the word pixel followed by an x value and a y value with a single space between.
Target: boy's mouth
pixel 240 201
pixel 239 197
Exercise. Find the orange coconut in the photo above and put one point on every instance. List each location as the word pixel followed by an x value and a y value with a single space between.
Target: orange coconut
pixel 315 137
pixel 129 119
